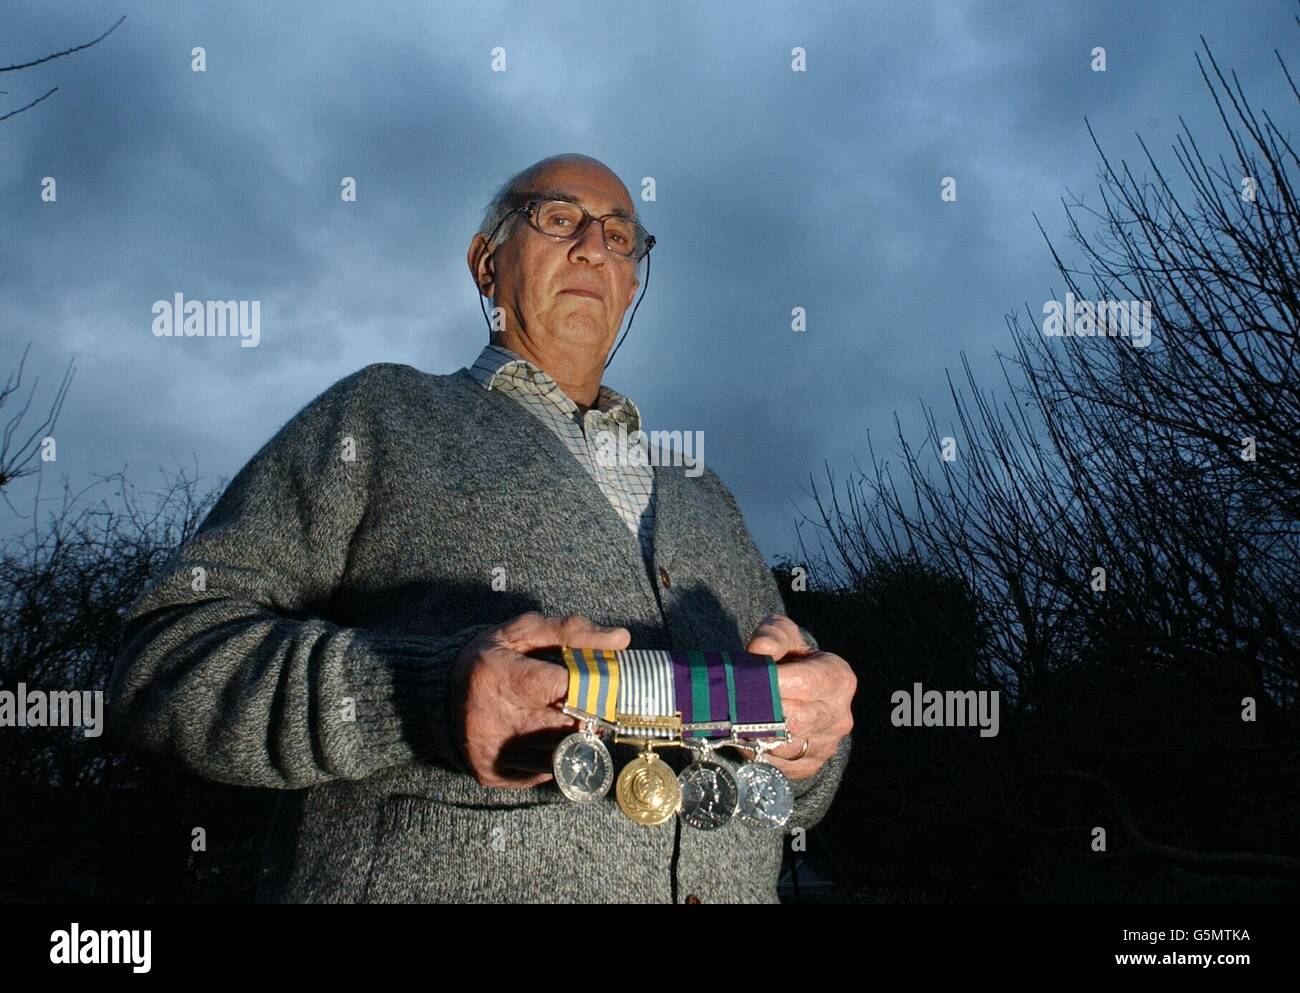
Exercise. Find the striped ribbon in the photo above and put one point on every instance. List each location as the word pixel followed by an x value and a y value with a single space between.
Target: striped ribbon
pixel 646 688
pixel 593 681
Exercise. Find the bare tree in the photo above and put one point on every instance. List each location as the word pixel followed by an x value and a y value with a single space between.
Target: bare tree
pixel 17 454
pixel 1128 518
pixel 64 586
pixel 1128 459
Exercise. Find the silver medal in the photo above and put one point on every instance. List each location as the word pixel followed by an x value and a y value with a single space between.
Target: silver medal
pixel 710 795
pixel 583 768
pixel 766 800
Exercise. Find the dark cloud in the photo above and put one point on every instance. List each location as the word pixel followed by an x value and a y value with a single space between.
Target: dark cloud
pixel 775 190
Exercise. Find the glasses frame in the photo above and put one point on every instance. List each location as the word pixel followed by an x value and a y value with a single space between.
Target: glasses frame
pixel 530 207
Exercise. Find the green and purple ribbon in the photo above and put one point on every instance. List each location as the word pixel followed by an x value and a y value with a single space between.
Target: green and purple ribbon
pixel 737 687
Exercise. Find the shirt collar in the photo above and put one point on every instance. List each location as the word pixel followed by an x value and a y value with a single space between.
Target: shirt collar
pixel 495 360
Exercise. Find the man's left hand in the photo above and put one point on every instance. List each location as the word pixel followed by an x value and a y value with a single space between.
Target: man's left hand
pixel 816 694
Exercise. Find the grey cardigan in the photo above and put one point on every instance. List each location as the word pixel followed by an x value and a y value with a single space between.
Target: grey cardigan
pixel 301 640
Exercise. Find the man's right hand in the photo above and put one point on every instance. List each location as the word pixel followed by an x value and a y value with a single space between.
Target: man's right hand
pixel 508 720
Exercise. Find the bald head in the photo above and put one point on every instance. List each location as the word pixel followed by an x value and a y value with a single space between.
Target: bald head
pixel 537 171
pixel 538 177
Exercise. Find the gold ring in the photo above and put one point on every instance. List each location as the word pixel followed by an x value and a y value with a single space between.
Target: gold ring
pixel 802 752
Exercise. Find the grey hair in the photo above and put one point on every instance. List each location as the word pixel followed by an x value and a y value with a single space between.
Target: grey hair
pixel 505 200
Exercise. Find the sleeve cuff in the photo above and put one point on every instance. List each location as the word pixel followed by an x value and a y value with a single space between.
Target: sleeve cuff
pixel 813 795
pixel 401 685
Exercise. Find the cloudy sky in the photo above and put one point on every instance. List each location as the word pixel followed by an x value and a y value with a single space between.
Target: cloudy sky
pixel 775 189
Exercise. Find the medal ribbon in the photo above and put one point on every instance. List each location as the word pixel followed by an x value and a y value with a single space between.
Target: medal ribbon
pixel 726 686
pixel 593 681
pixel 646 687
pixel 701 682
pixel 754 690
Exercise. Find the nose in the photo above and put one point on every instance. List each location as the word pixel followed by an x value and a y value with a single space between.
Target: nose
pixel 590 242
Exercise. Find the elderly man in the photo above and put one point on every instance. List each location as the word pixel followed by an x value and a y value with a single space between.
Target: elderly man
pixel 353 622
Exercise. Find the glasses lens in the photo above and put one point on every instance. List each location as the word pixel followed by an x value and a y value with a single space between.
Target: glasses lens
pixel 621 235
pixel 562 219
pixel 558 218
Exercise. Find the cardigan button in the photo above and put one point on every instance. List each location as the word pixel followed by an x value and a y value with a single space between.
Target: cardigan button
pixel 665 578
pixel 693 899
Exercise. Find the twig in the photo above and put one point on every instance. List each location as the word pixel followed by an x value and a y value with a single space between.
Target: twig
pixel 56 55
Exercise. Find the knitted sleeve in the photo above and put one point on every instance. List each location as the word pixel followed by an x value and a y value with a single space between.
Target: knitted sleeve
pixel 813 795
pixel 226 664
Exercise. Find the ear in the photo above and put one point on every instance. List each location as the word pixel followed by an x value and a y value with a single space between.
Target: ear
pixel 479 260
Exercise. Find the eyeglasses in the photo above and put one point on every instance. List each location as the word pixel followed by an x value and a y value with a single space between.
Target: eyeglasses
pixel 563 219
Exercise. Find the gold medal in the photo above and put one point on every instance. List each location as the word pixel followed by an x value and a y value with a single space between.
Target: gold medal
pixel 647 790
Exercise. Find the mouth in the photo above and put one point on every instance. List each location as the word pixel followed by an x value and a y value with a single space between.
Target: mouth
pixel 584 293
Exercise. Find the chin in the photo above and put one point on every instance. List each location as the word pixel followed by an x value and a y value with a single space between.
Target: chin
pixel 583 332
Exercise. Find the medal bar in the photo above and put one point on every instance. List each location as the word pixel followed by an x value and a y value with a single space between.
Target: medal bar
pixel 702 700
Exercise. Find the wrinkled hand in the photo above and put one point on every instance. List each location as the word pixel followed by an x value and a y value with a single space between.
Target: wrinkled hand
pixel 816 694
pixel 508 723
